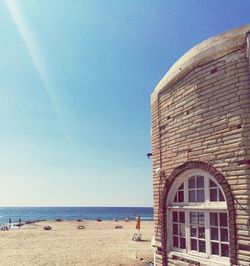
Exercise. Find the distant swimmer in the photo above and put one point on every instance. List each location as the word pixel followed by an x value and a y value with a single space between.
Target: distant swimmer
pixel 9 223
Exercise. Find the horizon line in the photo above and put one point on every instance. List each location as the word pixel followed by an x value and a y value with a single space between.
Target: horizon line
pixel 71 206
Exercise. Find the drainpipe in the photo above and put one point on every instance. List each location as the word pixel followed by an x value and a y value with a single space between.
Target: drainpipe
pixel 248 46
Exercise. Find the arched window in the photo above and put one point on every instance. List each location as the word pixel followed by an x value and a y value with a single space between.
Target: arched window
pixel 197 219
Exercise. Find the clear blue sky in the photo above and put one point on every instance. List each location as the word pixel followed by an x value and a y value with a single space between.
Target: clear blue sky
pixel 75 85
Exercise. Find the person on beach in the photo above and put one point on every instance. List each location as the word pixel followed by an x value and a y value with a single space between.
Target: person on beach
pixel 137 237
pixel 19 224
pixel 138 224
pixel 9 221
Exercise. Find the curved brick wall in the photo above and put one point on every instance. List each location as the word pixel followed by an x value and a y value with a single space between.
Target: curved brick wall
pixel 201 113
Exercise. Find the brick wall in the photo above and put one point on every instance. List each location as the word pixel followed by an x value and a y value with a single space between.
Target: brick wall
pixel 204 116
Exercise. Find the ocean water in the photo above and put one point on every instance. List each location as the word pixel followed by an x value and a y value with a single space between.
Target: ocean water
pixel 73 213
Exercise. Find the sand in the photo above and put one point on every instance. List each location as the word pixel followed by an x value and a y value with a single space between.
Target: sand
pixel 98 244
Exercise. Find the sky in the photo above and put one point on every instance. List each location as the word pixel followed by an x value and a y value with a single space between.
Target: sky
pixel 75 85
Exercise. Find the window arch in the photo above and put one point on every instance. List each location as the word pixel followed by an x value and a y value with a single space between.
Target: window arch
pixel 197 220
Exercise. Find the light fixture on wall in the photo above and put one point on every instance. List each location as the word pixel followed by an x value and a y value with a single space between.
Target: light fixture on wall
pixel 149 155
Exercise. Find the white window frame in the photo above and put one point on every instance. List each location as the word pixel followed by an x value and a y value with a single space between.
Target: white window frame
pixel 206 207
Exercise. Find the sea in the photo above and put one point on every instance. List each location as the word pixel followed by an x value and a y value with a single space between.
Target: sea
pixel 73 213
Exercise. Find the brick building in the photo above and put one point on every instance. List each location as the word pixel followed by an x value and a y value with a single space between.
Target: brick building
pixel 201 155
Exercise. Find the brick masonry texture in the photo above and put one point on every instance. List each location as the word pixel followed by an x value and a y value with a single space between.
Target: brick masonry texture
pixel 201 120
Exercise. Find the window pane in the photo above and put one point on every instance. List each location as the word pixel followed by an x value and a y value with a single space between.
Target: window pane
pixel 200 181
pixel 201 232
pixel 213 194
pixel 193 231
pixel 181 196
pixel 201 217
pixel 182 242
pixel 221 197
pixel 175 198
pixel 175 219
pixel 191 182
pixel 215 248
pixel 175 241
pixel 202 246
pixel 193 244
pixel 224 235
pixel 211 183
pixel 214 234
pixel 175 229
pixel 182 217
pixel 191 196
pixel 181 186
pixel 193 218
pixel 224 250
pixel 223 219
pixel 182 229
pixel 200 195
pixel 213 219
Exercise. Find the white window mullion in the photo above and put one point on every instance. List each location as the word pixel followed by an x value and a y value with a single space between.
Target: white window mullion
pixel 170 230
pixel 185 192
pixel 187 231
pixel 207 195
pixel 219 240
pixel 207 234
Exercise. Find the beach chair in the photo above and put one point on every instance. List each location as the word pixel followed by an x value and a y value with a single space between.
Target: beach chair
pixel 118 227
pixel 4 228
pixel 80 227
pixel 47 227
pixel 136 237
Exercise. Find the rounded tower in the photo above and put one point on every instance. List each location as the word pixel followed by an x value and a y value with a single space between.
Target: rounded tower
pixel 201 155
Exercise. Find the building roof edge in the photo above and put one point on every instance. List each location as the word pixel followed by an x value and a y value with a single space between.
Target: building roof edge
pixel 208 50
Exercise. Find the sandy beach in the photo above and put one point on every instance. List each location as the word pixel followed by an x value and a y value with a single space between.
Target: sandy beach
pixel 98 244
